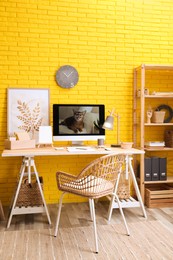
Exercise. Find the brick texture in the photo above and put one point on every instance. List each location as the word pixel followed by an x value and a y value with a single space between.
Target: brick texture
pixel 104 40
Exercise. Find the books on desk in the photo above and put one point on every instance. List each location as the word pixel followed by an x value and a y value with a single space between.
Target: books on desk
pixel 73 149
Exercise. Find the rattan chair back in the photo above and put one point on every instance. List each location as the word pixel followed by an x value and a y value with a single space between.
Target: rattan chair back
pixel 96 180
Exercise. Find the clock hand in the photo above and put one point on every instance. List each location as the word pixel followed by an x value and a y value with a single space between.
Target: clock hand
pixel 65 74
pixel 69 74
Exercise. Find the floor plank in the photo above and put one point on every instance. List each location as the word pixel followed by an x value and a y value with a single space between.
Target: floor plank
pixel 31 237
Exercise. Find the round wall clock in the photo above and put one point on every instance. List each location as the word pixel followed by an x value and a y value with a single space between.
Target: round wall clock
pixel 67 76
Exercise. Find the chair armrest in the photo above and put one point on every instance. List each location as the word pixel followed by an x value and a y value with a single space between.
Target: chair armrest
pixel 64 178
pixel 66 174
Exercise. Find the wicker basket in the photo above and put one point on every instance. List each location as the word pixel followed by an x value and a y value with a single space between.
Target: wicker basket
pixel 124 187
pixel 169 138
pixel 29 194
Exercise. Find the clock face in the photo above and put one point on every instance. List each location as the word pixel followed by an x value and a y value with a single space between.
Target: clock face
pixel 67 76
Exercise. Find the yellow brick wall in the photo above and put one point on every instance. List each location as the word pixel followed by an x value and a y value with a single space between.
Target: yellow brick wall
pixel 104 40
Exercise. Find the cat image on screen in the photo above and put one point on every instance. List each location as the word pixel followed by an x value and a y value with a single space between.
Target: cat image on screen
pixel 75 122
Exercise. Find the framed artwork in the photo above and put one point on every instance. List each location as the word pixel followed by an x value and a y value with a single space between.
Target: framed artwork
pixel 27 110
pixel 45 135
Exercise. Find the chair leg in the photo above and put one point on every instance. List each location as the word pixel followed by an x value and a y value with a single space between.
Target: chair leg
pixel 122 214
pixel 59 213
pixel 90 206
pixel 92 209
pixel 111 207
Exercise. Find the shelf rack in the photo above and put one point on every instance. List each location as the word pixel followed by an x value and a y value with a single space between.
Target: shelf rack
pixel 140 76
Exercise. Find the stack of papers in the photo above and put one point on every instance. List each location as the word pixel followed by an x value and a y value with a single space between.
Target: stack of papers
pixel 155 144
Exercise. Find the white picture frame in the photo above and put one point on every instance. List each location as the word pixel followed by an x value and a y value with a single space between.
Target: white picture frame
pixel 27 109
pixel 45 135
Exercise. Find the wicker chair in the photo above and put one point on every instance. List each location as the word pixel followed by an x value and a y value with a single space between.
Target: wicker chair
pixel 100 178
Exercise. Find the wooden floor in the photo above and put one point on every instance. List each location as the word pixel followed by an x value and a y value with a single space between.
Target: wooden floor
pixel 31 237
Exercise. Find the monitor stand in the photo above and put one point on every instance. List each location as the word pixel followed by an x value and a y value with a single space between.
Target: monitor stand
pixel 77 143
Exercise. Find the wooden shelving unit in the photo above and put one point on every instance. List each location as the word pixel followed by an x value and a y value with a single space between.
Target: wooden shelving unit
pixel 169 180
pixel 140 125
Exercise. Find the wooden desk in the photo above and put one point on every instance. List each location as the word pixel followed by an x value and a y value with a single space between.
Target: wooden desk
pixel 51 151
pixel 28 163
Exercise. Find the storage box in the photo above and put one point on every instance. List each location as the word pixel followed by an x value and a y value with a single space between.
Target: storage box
pixel 147 169
pixel 159 196
pixel 169 138
pixel 17 144
pixel 154 168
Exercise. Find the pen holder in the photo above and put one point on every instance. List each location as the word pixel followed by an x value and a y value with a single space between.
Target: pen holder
pixel 100 142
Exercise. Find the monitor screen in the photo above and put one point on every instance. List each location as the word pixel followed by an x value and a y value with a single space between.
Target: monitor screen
pixel 78 122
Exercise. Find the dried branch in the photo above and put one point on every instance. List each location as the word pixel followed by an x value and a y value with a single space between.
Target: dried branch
pixel 31 119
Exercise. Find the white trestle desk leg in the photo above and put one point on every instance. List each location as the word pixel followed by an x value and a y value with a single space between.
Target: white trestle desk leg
pixel 41 191
pixel 27 162
pixel 136 185
pixel 29 169
pixel 22 171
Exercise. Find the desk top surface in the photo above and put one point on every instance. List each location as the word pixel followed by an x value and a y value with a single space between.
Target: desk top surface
pixel 57 151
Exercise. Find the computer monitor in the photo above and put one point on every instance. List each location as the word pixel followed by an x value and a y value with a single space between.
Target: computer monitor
pixel 78 123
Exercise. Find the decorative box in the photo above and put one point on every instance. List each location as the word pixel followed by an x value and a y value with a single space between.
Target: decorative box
pixel 17 144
